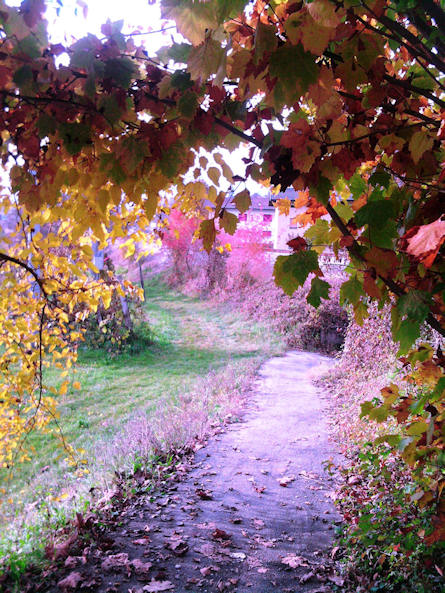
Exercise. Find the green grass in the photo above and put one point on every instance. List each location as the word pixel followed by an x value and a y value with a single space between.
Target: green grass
pixel 190 339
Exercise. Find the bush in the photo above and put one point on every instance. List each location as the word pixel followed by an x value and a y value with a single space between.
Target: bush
pixel 239 270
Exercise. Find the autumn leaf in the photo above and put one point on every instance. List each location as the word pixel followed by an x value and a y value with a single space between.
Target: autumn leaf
pixel 155 586
pixel 420 142
pixel 425 241
pixel 294 561
pixel 192 19
pixel 242 201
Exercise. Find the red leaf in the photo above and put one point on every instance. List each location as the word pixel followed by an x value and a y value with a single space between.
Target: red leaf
pixel 425 241
pixel 297 244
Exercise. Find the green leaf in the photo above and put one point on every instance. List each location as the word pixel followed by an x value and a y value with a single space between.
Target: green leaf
pixel 351 291
pixel 321 190
pixel 414 305
pixel 319 290
pixel 188 104
pixel 374 213
pixel 357 185
pixel 291 271
pixel 406 334
pixel 178 52
pixel 46 125
pixel 135 151
pixel 417 428
pixel 384 236
pixel 181 80
pixel 75 136
pixel 344 211
pixel 439 389
pixel 29 46
pixel 23 76
pixel 366 408
pixel 380 413
pixel 229 9
pixel 120 70
pixel 294 68
pixel 318 232
pixel 380 178
pixel 110 108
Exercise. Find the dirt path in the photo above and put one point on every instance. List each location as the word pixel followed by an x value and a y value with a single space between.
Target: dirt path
pixel 254 514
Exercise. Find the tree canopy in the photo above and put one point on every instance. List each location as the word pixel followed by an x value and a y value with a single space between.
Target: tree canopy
pixel 342 100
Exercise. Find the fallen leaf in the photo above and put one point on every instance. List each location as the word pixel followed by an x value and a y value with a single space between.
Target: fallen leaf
pixel 238 555
pixel 71 581
pixel 179 547
pixel 142 541
pixel 141 568
pixel 207 550
pixel 220 534
pixel 115 562
pixel 155 586
pixel 336 579
pixel 285 480
pixel 71 562
pixel 204 494
pixel 294 561
pixel 306 577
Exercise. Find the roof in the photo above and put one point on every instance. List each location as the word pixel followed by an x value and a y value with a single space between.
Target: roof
pixel 259 202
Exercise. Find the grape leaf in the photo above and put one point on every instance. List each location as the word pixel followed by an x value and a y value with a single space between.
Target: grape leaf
pixel 319 290
pixel 291 271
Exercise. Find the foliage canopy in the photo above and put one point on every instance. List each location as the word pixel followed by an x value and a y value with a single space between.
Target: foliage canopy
pixel 342 100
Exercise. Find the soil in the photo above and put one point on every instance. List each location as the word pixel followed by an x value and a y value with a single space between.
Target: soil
pixel 254 512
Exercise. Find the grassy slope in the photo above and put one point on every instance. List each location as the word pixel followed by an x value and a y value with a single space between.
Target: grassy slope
pixel 191 339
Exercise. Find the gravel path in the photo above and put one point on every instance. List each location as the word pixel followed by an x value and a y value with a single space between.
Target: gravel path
pixel 255 513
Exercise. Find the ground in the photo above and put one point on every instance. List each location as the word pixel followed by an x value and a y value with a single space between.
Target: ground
pixel 254 512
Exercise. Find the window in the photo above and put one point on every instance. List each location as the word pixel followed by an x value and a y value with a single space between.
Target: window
pixel 267 217
pixel 242 217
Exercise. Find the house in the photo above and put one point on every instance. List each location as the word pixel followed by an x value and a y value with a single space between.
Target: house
pixel 278 228
pixel 260 214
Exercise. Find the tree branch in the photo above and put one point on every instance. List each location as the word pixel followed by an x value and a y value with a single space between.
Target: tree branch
pixel 416 89
pixel 13 260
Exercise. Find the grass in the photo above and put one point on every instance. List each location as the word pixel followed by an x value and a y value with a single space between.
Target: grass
pixel 191 340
